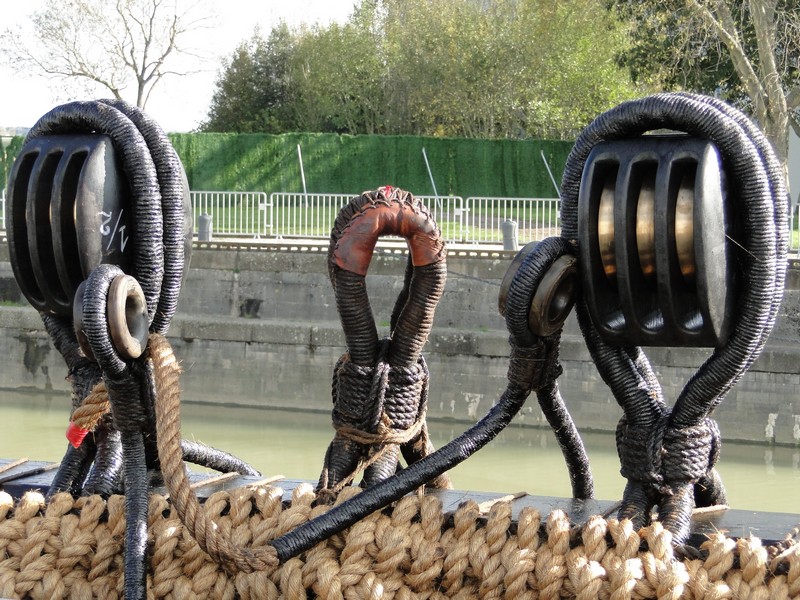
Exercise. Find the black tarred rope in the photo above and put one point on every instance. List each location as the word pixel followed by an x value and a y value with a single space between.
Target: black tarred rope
pixel 118 457
pixel 380 386
pixel 668 453
pixel 533 366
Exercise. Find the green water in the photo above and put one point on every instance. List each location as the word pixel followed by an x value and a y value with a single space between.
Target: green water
pixel 292 444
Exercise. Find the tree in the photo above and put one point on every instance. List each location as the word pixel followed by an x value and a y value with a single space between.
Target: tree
pixel 745 52
pixel 340 78
pixel 506 68
pixel 254 89
pixel 118 45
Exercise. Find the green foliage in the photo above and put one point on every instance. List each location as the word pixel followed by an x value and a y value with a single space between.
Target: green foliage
pixel 448 68
pixel 534 68
pixel 9 148
pixel 253 92
pixel 337 78
pixel 673 48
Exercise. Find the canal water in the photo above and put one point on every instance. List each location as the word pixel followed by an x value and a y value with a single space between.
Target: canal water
pixel 757 477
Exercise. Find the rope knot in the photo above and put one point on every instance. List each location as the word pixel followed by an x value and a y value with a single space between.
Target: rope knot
pixel 376 410
pixel 358 393
pixel 690 452
pixel 379 399
pixel 664 456
pixel 406 394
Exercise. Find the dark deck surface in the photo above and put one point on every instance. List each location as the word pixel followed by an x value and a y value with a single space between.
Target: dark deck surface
pixel 26 475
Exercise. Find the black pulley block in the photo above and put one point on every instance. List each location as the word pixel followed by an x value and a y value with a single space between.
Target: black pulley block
pixel 69 211
pixel 654 224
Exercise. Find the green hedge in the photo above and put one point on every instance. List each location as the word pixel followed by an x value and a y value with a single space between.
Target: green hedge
pixel 8 152
pixel 351 164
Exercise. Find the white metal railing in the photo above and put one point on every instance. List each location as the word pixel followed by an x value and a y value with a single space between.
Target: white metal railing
pixel 474 220
pixel 246 214
pixel 305 215
pixel 3 209
pixel 449 213
pixel 536 218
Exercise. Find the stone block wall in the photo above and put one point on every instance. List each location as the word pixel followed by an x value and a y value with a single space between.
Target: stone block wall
pixel 260 328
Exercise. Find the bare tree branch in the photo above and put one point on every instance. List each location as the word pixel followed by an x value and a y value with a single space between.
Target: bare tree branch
pixel 125 45
pixel 763 79
pixel 717 15
pixel 776 126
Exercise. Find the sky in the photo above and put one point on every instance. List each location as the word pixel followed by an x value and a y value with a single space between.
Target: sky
pixel 177 103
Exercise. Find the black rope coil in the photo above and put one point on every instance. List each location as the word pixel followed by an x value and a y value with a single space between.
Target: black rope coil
pixel 668 455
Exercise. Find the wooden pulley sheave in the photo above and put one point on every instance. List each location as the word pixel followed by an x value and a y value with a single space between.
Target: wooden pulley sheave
pixel 654 227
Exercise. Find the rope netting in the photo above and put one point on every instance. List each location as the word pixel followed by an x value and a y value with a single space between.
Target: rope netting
pixel 73 548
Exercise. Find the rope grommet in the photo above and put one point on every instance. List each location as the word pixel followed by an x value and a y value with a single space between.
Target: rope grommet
pixel 554 294
pixel 127 316
pixel 516 262
pixel 554 297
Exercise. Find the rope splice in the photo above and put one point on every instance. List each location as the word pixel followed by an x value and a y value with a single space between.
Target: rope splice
pixel 380 387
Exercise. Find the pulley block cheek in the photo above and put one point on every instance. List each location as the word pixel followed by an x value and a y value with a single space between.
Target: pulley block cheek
pixel 69 211
pixel 654 226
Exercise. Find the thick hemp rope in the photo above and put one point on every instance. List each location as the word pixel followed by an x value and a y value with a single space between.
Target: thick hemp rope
pixel 202 528
pixel 380 387
pixel 668 455
pixel 69 548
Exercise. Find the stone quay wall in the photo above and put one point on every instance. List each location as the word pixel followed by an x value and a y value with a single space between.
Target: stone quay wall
pixel 259 327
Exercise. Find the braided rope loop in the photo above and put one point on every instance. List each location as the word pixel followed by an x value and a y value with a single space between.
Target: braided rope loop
pixel 665 452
